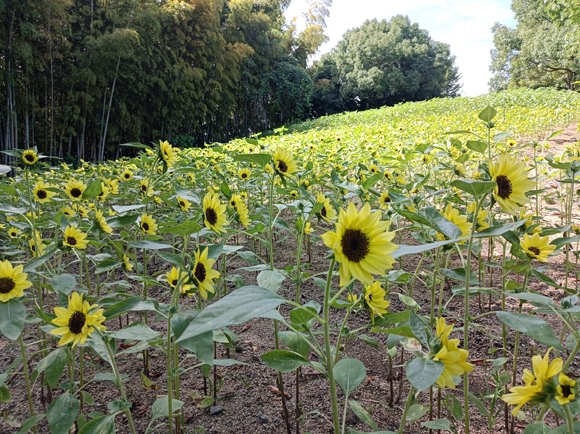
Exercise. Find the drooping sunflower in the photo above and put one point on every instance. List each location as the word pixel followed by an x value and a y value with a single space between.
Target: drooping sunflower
pixel 537 247
pixel 284 162
pixel 375 300
pixel 327 211
pixel 167 153
pixel 203 274
pixel 127 175
pixel 102 222
pixel 104 192
pixel 127 265
pixel 75 238
pixel 512 183
pixel 75 189
pixel 147 224
pixel 75 324
pixel 34 242
pixel 243 214
pixel 184 204
pixel 113 185
pixel 40 192
pixel 566 390
pixel 29 157
pixel 214 213
pixel 361 244
pixel 244 174
pixel 13 281
pixel 175 276
pixel 459 220
pixel 453 357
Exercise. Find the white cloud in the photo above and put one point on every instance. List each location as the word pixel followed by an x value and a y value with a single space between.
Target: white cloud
pixel 464 25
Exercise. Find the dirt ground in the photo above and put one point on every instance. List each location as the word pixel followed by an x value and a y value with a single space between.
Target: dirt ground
pixel 254 408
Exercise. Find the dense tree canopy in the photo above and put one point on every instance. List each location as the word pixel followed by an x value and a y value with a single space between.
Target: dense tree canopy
pixel 383 63
pixel 541 51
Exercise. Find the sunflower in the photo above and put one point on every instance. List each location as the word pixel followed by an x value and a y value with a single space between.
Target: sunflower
pixel 327 212
pixel 13 281
pixel 175 276
pixel 529 218
pixel 145 190
pixel 13 232
pixel 244 195
pixel 113 185
pixel 203 274
pixel 244 174
pixel 512 183
pixel 214 213
pixel 284 162
pixel 36 240
pixel 361 244
pixel 459 220
pixel 184 204
pixel 375 298
pixel 29 157
pixel 191 177
pixel 511 143
pixel 374 169
pixel 234 200
pixel 74 238
pixel 243 214
pixel 453 357
pixel 307 228
pixel 147 224
pixel 127 265
pixel 76 324
pixel 102 223
pixel 481 216
pixel 167 153
pixel 75 189
pixel 127 175
pixel 566 390
pixel 104 192
pixel 388 175
pixel 537 247
pixel 40 192
pixel 385 200
pixel 294 194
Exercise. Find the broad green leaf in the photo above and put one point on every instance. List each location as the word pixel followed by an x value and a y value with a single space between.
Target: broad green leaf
pixel 32 265
pixel 187 194
pixel 475 188
pixel 271 280
pixel 416 412
pixel 532 326
pixel 137 331
pixel 293 341
pixel 172 258
pixel 441 224
pixel 29 423
pixel 63 283
pixel 461 275
pixel 53 366
pixel 284 361
pixel 349 373
pixel 125 220
pixel 161 407
pixel 124 208
pixel 12 315
pixel 487 114
pixel 477 146
pixel 201 345
pixel 418 328
pixel 93 190
pixel 135 145
pixel 183 229
pixel 62 413
pixel 100 425
pixel 362 414
pixel 123 306
pixel 437 424
pixel 259 159
pixel 423 373
pixel 4 169
pixel 149 245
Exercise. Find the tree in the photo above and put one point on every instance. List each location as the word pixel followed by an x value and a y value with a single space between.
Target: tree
pixel 384 63
pixel 541 51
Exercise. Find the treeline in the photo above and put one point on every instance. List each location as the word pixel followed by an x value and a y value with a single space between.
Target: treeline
pixel 80 77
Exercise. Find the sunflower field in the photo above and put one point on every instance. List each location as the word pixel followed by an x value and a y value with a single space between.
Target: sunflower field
pixel 402 270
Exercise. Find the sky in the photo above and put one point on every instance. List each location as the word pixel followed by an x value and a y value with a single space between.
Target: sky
pixel 463 24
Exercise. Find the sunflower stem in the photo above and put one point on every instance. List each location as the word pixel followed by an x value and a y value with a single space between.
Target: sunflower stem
pixel 406 410
pixel 26 377
pixel 329 364
pixel 569 418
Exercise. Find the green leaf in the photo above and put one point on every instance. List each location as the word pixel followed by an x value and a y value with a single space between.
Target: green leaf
pixel 123 306
pixel 100 425
pixel 53 366
pixel 32 265
pixel 12 210
pixel 369 341
pixel 284 361
pixel 259 159
pixel 93 190
pixel 183 229
pixel 399 331
pixel 293 341
pixel 437 424
pixel 441 224
pixel 538 428
pixel 532 326
pixel 161 407
pixel 423 373
pixel 137 331
pixel 363 414
pixel 29 423
pixel 124 208
pixel 499 230
pixel 475 188
pixel 477 146
pixel 235 308
pixel 63 283
pixel 62 413
pixel 12 315
pixel 185 193
pixel 416 412
pixel 487 114
pixel 545 279
pixel 418 328
pixel 201 345
pixel 150 245
pixel 172 258
pixel 271 280
pixel 119 222
pixel 107 265
pixel 301 315
pixel 479 404
pixel 461 275
pixel 135 145
pixel 349 373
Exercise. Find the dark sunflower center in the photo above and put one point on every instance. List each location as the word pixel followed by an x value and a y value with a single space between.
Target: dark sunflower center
pixel 29 157
pixel 566 390
pixel 244 175
pixel 233 203
pixel 355 245
pixel 370 297
pixel 504 186
pixel 323 211
pixel 282 166
pixel 145 226
pixel 387 199
pixel 174 282
pixel 200 272
pixel 41 194
pixel 71 241
pixel 6 285
pixel 76 192
pixel 143 188
pixel 77 322
pixel 127 176
pixel 211 216
pixel 182 204
pixel 534 250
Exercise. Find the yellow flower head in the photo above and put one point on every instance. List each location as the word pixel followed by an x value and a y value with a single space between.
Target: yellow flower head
pixel 294 194
pixel 481 216
pixel 375 298
pixel 40 192
pixel 284 162
pixel 74 238
pixel 29 157
pixel 13 281
pixel 184 204
pixel 214 213
pixel 453 357
pixel 244 174
pixel 203 273
pixel 243 214
pixel 76 323
pixel 175 276
pixel 566 390
pixel 102 222
pixel 361 244
pixel 75 189
pixel 167 153
pixel 537 247
pixel 147 224
pixel 327 211
pixel 127 175
pixel 459 220
pixel 512 183
pixel 127 265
